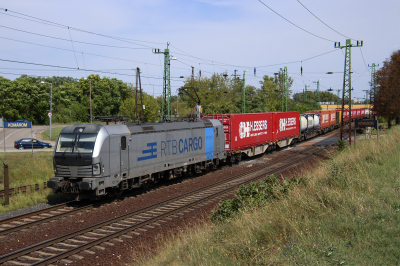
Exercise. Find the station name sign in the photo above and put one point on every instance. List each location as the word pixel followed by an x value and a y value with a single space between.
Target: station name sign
pixel 17 125
pixel 366 123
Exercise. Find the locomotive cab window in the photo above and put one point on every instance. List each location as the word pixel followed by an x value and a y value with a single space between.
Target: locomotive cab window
pixel 123 143
pixel 76 143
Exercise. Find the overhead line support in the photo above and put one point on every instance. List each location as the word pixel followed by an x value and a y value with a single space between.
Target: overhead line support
pixel 346 94
pixel 165 106
pixel 284 89
pixel 373 87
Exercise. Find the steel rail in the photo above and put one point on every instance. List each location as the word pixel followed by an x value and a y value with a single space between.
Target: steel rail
pixel 41 220
pixel 57 216
pixel 291 163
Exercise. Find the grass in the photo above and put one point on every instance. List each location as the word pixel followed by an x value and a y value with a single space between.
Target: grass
pixel 347 214
pixel 23 168
pixel 31 198
pixel 55 131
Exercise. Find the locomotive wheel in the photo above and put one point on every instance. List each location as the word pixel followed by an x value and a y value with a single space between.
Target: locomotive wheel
pixel 117 191
pixel 189 170
pixel 156 177
pixel 148 184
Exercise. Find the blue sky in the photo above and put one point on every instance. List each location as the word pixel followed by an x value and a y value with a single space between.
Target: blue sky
pixel 214 36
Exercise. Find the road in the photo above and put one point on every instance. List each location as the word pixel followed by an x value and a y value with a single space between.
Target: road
pixel 13 134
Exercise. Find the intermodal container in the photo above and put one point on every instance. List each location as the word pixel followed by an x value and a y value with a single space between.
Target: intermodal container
pixel 333 119
pixel 324 119
pixel 286 125
pixel 245 130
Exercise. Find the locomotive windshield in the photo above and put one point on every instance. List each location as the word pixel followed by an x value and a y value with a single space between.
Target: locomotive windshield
pixel 76 143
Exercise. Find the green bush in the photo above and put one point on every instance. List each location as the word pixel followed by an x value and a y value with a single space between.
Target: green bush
pixel 341 144
pixel 381 119
pixel 252 196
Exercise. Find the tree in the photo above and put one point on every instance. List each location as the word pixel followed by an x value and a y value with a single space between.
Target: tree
pixel 387 93
pixel 151 111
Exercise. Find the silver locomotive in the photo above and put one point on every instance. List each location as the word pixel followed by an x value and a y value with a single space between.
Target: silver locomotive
pixel 92 160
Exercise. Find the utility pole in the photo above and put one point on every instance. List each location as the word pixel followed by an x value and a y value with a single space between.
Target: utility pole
pixel 284 89
pixel 317 100
pixel 90 100
pixel 366 96
pixel 338 97
pixel 138 87
pixel 244 92
pixel 305 92
pixel 235 73
pixel 165 106
pixel 346 94
pixel 192 90
pixel 373 87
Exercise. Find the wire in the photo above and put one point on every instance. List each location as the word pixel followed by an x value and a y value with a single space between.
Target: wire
pixel 294 24
pixel 116 58
pixel 50 23
pixel 322 21
pixel 57 38
pixel 299 60
pixel 73 48
pixel 363 59
pixel 79 69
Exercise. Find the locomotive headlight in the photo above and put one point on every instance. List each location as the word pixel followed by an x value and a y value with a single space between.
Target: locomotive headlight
pixel 96 169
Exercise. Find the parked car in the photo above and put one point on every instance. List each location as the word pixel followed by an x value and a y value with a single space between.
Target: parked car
pixel 27 144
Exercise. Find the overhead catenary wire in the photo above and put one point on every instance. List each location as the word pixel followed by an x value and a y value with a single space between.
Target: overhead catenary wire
pixel 48 46
pixel 213 63
pixel 364 60
pixel 206 62
pixel 77 69
pixel 51 23
pixel 62 39
pixel 73 48
pixel 321 20
pixel 295 24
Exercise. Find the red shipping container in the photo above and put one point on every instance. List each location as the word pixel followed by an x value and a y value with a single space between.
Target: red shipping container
pixel 324 120
pixel 332 120
pixel 246 130
pixel 286 125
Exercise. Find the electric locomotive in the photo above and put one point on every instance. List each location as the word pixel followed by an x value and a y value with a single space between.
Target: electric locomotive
pixel 93 160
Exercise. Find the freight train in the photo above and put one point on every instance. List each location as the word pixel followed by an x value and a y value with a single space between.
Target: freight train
pixel 94 160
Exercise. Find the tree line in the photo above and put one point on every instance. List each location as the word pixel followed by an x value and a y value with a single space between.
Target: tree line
pixel 387 93
pixel 27 98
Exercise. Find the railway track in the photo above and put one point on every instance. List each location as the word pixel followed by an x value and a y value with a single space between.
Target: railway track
pixel 27 220
pixel 88 240
pixel 59 211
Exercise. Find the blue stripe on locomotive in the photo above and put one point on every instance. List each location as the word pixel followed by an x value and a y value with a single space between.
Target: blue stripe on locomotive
pixel 209 143
pixel 165 146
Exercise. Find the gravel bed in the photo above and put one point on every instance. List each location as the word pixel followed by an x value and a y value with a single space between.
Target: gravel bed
pixel 32 208
pixel 103 212
pixel 146 242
